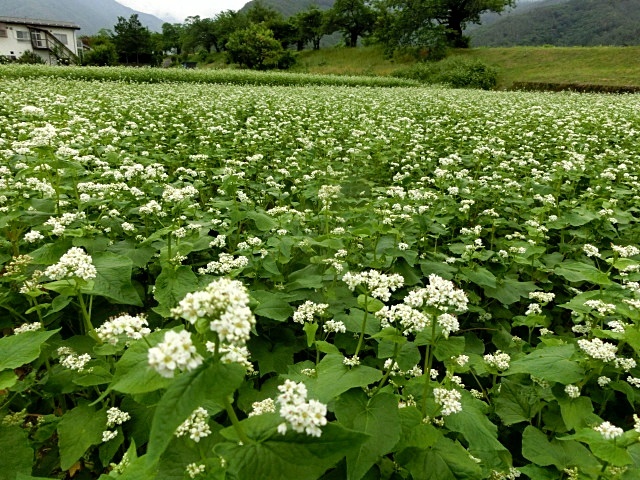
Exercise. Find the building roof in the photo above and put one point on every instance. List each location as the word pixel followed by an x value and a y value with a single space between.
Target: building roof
pixel 40 22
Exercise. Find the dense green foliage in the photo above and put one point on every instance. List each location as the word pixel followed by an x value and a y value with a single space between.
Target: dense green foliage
pixel 234 282
pixel 457 72
pixel 568 23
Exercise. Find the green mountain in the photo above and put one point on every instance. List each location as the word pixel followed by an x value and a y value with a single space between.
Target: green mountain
pixel 290 7
pixel 91 15
pixel 565 23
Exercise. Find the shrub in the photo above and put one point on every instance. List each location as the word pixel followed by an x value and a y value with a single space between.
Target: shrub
pixel 256 47
pixel 103 55
pixel 454 71
pixel 32 58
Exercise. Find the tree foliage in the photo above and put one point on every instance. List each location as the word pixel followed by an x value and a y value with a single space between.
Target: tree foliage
pixel 132 40
pixel 353 18
pixel 256 47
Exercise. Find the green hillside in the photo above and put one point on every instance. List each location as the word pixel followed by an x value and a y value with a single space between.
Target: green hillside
pixel 574 65
pixel 290 7
pixel 569 23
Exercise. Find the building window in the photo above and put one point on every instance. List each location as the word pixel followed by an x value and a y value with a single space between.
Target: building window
pixel 62 37
pixel 22 35
pixel 3 31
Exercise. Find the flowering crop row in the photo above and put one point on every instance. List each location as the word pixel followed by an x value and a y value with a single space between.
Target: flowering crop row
pixel 232 282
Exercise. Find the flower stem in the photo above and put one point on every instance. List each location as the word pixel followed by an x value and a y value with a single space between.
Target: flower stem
pixel 364 324
pixel 235 422
pixel 428 362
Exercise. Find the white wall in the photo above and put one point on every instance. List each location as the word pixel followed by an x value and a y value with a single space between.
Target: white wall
pixel 13 46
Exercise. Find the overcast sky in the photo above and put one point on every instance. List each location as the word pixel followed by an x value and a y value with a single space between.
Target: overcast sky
pixel 178 10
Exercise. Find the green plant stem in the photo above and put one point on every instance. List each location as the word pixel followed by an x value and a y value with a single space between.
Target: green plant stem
pixel 389 370
pixel 86 318
pixel 235 422
pixel 364 324
pixel 428 361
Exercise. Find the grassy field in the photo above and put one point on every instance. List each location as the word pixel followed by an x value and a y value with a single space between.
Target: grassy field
pixel 584 65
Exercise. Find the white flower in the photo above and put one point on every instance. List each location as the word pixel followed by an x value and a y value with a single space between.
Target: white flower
pixel 378 285
pixel 591 251
pixel 115 416
pixel 194 469
pixel 27 327
pixel 498 360
pixel 109 435
pixel 334 326
pixel 176 352
pixel 195 426
pixel 628 251
pixel 265 406
pixel 598 349
pixel 301 415
pixel 124 325
pixel 572 391
pixel 409 319
pixel 449 400
pixel 603 381
pixel 225 303
pixel 33 236
pixel 448 323
pixel 306 311
pixel 74 263
pixel 440 294
pixel 608 431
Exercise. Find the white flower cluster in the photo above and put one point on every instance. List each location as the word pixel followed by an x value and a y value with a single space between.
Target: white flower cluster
pixel 194 469
pixel 608 430
pixel 601 307
pixel 572 391
pixel 175 195
pixel 334 326
pixel 591 251
pixel 409 319
pixel 598 349
pixel 133 327
pixel 33 236
pixel 378 285
pixel 300 414
pixel 498 360
pixel 27 327
pixel 176 352
pixel 60 224
pixel 542 297
pixel 233 354
pixel 225 264
pixel 73 264
pixel 71 360
pixel 225 303
pixel 115 417
pixel 448 323
pixel 625 252
pixel 265 406
pixel 195 426
pixel 440 294
pixel 449 400
pixel 306 311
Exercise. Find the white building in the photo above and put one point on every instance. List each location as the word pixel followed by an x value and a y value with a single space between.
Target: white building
pixel 54 41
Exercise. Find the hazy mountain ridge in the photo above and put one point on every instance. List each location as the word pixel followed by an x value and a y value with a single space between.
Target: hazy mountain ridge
pixel 565 23
pixel 90 15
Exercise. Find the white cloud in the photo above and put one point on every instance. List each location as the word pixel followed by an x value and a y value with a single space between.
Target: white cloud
pixel 178 10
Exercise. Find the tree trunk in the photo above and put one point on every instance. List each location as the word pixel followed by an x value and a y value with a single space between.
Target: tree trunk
pixel 353 39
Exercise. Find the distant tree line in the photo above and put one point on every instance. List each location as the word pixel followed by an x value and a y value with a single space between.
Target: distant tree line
pixel 262 38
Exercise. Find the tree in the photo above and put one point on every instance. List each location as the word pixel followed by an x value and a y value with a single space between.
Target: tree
pixel 354 18
pixel 102 55
pixel 256 47
pixel 226 23
pixel 132 40
pixel 453 15
pixel 200 33
pixel 171 39
pixel 310 27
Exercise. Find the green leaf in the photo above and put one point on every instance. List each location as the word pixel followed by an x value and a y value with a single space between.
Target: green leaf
pixel 17 454
pixel 173 284
pixel 333 378
pixel 550 363
pixel 139 255
pixel 308 277
pixel 577 412
pixel 581 272
pixel 213 382
pixel 271 357
pixel 78 430
pixel 263 222
pixel 537 449
pixel 133 373
pixel 372 304
pixel 290 456
pixel 516 403
pixel 601 447
pixel 310 330
pixel 113 278
pixel 480 433
pixel 18 350
pixel 480 276
pixel 446 460
pixel 272 305
pixel 509 290
pixel 377 417
pixel 8 379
